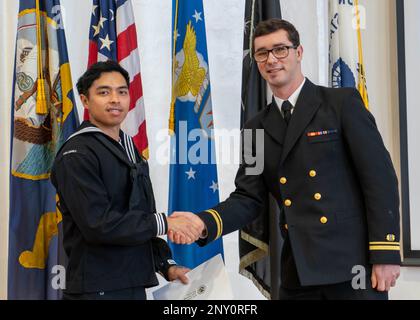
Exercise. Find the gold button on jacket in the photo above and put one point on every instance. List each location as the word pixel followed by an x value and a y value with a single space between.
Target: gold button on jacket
pixel 323 220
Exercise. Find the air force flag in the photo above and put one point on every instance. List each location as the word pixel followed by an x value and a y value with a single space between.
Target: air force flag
pixel 193 182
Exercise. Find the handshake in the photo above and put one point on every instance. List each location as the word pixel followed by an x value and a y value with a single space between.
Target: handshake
pixel 184 227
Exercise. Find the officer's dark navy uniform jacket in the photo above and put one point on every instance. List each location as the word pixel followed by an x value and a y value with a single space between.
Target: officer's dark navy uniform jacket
pixel 333 180
pixel 109 216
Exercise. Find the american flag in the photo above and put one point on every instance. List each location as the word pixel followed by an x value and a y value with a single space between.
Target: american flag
pixel 113 36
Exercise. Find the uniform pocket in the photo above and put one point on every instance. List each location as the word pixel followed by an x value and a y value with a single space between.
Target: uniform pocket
pixel 324 138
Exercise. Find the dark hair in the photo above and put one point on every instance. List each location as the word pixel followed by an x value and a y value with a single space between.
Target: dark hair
pixel 95 71
pixel 272 25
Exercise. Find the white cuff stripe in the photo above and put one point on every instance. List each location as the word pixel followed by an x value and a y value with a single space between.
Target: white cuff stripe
pixel 160 224
pixel 157 224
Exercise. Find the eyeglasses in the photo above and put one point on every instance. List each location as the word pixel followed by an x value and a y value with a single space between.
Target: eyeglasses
pixel 278 52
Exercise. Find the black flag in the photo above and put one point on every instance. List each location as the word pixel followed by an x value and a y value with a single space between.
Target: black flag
pixel 259 242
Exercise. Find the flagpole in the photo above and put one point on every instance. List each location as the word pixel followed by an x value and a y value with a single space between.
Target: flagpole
pixel 41 99
pixel 172 112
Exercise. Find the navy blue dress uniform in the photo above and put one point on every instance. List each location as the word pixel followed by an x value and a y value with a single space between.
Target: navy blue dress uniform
pixel 334 181
pixel 110 223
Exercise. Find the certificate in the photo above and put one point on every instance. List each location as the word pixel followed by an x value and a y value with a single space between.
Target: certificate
pixel 208 281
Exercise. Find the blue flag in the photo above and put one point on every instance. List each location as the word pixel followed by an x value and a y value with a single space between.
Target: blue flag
pixel 193 182
pixel 43 116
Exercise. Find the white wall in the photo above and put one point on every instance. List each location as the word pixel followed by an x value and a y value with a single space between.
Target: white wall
pixel 224 36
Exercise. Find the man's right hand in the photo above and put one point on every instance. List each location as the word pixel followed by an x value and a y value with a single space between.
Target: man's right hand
pixel 184 227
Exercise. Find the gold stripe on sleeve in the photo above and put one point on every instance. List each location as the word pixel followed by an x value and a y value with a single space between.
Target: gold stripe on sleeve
pixel 218 220
pixel 389 248
pixel 385 243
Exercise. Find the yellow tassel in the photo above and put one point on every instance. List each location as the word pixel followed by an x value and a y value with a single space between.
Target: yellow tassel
pixel 362 87
pixel 363 93
pixel 41 99
pixel 41 95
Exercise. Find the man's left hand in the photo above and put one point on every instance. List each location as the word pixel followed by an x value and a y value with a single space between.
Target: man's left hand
pixel 178 272
pixel 384 276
